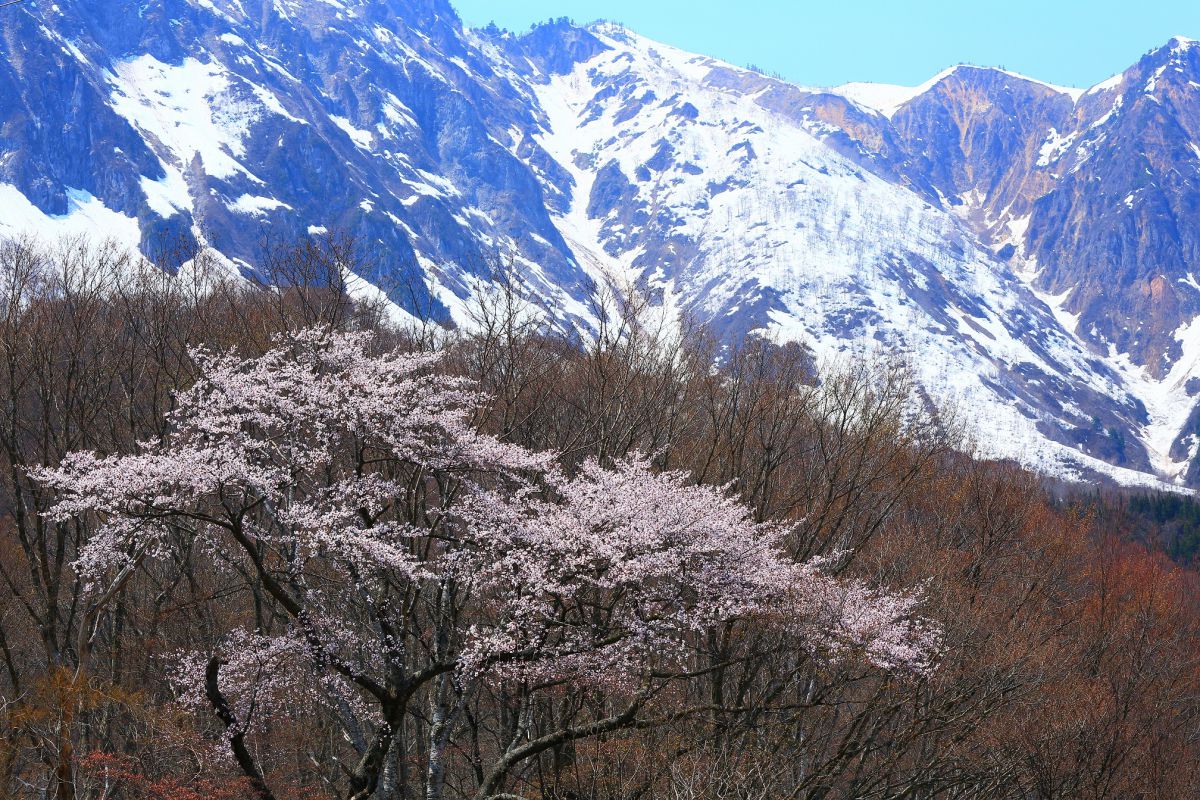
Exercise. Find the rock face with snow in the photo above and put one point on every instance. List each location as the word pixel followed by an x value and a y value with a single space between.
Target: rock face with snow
pixel 1119 226
pixel 1028 248
pixel 1092 196
pixel 730 205
pixel 235 121
pixel 1095 190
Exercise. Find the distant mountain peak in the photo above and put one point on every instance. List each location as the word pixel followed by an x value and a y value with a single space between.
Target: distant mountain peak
pixel 887 99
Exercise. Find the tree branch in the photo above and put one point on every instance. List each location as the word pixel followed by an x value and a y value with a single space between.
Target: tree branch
pixel 237 738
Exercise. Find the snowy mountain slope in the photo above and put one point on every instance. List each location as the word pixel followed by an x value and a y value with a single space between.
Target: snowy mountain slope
pixel 741 217
pixel 1089 196
pixel 961 225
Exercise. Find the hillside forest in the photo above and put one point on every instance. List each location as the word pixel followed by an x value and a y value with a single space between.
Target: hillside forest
pixel 259 541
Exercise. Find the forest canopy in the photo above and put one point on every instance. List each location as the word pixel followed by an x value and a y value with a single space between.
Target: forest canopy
pixel 258 541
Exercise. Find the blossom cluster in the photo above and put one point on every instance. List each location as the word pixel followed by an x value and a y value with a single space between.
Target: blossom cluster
pixel 387 525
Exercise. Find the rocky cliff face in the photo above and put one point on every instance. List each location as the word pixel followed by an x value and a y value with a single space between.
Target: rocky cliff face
pixel 1118 227
pixel 976 134
pixel 1029 249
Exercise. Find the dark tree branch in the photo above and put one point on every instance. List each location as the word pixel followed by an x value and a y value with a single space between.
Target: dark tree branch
pixel 237 732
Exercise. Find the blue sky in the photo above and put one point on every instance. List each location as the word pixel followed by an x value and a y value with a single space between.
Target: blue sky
pixel 902 41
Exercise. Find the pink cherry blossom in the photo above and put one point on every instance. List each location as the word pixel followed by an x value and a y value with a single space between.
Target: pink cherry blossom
pixel 402 545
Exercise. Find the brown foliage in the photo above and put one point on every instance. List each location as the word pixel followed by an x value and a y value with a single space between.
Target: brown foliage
pixel 1070 655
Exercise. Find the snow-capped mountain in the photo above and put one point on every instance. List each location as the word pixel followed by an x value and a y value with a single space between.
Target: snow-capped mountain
pixel 1028 248
pixel 740 214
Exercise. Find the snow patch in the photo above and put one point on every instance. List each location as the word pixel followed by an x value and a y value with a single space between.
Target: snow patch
pixel 361 138
pixel 86 214
pixel 1107 84
pixel 169 195
pixel 257 206
pixel 1053 148
pixel 191 109
pixel 1167 401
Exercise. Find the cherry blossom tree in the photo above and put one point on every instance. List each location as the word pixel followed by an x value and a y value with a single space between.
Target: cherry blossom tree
pixel 407 558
